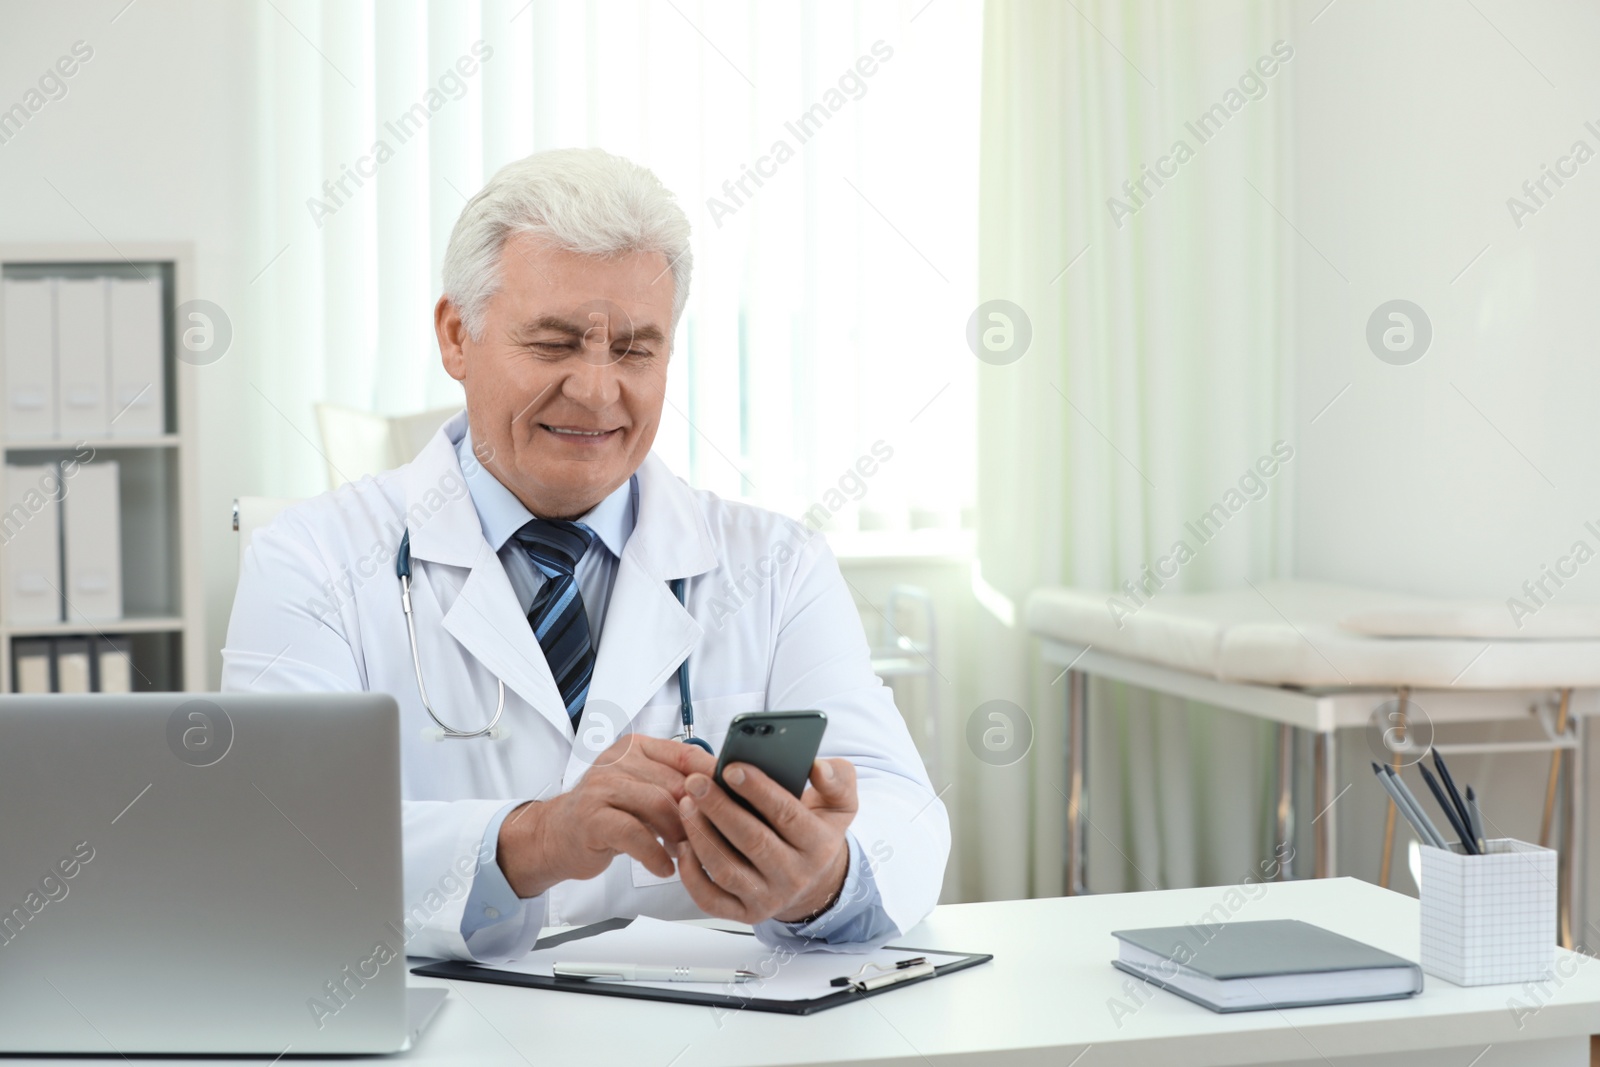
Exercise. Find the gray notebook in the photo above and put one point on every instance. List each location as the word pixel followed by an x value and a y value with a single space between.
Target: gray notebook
pixel 1276 963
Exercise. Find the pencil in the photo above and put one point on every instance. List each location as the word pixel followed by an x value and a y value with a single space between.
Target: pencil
pixel 1416 806
pixel 1475 817
pixel 1462 832
pixel 1401 805
pixel 1451 791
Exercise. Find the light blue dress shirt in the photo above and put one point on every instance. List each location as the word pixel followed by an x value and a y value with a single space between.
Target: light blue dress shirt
pixel 857 916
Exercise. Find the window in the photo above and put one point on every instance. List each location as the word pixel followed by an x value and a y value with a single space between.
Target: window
pixel 826 154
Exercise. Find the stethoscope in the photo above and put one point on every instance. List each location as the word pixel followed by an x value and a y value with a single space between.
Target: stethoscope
pixel 493 730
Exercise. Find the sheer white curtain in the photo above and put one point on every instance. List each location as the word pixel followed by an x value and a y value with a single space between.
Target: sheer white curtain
pixel 1155 378
pixel 825 154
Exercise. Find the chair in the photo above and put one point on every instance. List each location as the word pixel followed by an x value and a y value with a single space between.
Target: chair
pixel 252 512
pixel 356 443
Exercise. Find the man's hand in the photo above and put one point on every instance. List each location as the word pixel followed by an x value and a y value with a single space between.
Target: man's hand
pixel 735 867
pixel 623 804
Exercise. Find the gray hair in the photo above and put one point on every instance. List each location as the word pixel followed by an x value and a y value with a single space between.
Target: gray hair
pixel 582 200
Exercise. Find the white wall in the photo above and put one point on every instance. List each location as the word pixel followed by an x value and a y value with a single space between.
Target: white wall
pixel 150 143
pixel 1464 472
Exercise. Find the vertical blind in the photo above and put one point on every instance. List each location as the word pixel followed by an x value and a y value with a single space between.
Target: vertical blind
pixel 825 153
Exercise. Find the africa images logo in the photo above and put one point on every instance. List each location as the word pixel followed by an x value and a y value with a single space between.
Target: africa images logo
pixel 199 733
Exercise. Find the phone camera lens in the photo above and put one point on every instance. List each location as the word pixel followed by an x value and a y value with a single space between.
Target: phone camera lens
pixel 766 727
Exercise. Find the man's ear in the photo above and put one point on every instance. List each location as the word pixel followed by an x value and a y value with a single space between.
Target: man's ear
pixel 453 337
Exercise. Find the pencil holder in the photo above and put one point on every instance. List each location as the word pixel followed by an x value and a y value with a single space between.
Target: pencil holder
pixel 1491 918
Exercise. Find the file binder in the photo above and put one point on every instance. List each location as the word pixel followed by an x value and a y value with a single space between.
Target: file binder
pixel 30 666
pixel 30 359
pixel 72 665
pixel 92 542
pixel 81 358
pixel 30 530
pixel 138 386
pixel 113 666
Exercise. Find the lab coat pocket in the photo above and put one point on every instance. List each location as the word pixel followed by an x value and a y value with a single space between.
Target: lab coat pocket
pixel 713 714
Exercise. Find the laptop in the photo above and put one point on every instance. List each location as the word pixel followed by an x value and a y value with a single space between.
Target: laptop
pixel 203 873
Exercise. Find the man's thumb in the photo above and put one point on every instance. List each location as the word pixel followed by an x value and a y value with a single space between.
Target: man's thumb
pixel 835 779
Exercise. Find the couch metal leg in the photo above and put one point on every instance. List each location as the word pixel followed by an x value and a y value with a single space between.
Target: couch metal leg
pixel 1077 766
pixel 1324 821
pixel 1286 754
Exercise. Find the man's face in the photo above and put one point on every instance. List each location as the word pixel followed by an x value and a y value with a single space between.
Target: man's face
pixel 565 387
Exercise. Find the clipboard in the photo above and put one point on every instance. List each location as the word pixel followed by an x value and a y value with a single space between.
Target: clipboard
pixel 461 970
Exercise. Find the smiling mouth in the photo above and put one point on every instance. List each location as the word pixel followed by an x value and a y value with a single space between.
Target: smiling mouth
pixel 574 432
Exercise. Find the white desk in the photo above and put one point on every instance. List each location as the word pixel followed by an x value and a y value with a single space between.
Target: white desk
pixel 1045 999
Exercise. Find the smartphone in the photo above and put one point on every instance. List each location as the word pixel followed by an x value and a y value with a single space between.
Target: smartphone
pixel 783 744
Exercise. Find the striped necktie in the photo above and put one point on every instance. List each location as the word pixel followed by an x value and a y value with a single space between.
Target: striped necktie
pixel 557 615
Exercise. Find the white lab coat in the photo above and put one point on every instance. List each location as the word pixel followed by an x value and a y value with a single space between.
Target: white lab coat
pixel 770 624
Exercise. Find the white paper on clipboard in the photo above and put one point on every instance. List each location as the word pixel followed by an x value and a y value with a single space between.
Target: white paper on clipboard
pixel 785 975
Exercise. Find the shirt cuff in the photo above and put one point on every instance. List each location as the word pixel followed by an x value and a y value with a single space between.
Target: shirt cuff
pixel 492 901
pixel 855 920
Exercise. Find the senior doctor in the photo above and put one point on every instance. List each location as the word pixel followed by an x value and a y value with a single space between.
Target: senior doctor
pixel 544 538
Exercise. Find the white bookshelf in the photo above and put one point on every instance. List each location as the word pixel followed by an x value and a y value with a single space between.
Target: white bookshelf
pixel 163 602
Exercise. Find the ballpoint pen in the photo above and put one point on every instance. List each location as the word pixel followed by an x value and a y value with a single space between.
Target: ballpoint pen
pixel 638 972
pixel 888 974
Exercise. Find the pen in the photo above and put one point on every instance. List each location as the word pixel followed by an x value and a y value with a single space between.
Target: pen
pixel 637 972
pixel 1452 792
pixel 1434 837
pixel 889 974
pixel 1467 844
pixel 1423 832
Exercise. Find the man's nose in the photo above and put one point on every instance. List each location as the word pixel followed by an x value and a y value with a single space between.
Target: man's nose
pixel 592 380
